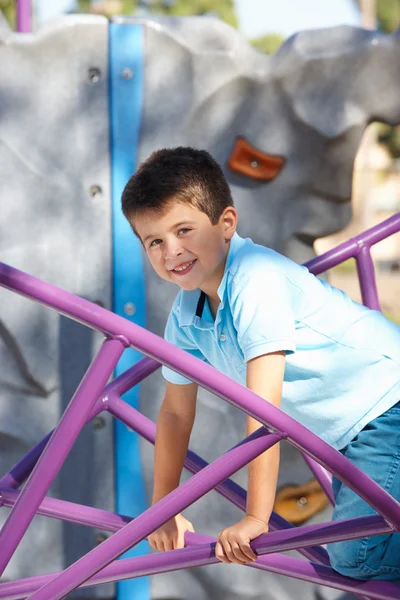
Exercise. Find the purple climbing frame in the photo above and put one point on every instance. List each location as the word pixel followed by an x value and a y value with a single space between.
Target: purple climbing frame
pixel 24 16
pixel 41 465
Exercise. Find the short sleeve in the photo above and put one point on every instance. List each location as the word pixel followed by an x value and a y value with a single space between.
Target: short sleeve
pixel 176 335
pixel 262 312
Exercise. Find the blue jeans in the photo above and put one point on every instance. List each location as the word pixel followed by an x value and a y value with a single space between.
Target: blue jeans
pixel 376 451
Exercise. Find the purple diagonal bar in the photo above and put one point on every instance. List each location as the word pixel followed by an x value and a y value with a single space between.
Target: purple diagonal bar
pixel 366 277
pixel 24 16
pixel 19 472
pixel 323 476
pixel 200 553
pixel 131 377
pixel 58 447
pixel 156 515
pixel 135 374
pixel 71 512
pixel 352 247
pixel 320 533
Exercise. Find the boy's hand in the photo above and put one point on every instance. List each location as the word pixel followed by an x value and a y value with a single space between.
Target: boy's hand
pixel 170 536
pixel 233 544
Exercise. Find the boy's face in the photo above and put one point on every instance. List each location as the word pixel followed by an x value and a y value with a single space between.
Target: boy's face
pixel 184 247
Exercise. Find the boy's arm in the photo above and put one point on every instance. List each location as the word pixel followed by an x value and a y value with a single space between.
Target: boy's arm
pixel 264 376
pixel 174 425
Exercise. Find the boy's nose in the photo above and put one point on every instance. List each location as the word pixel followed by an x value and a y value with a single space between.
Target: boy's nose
pixel 172 250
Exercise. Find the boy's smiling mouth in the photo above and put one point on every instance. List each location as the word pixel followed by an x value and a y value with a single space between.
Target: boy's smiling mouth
pixel 183 268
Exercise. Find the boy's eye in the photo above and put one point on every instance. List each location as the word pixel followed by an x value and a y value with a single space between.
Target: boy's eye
pixel 183 230
pixel 155 243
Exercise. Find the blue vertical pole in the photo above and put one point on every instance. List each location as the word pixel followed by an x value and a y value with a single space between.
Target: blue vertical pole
pixel 126 85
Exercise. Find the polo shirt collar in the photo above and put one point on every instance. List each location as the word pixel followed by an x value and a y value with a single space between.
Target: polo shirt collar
pixel 191 301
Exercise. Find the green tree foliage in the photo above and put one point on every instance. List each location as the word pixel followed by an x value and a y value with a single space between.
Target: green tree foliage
pixel 268 43
pixel 223 9
pixel 108 8
pixel 390 137
pixel 388 15
pixel 7 7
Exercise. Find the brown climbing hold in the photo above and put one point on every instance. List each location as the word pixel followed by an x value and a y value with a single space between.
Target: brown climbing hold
pixel 248 160
pixel 298 503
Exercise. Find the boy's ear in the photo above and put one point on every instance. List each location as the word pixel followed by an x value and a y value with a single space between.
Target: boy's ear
pixel 229 221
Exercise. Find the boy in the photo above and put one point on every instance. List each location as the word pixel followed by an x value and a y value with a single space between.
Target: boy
pixel 269 324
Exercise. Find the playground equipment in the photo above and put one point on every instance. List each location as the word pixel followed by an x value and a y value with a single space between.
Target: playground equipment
pixel 40 466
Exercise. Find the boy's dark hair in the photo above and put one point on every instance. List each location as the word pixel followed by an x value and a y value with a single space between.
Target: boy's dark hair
pixel 185 174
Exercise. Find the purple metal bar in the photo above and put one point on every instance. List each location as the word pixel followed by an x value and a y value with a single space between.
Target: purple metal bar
pixel 352 247
pixel 200 553
pixel 127 380
pixel 294 538
pixel 366 278
pixel 71 512
pixel 121 384
pixel 193 463
pixel 322 475
pixel 21 471
pixel 57 448
pixel 156 515
pixel 210 379
pixel 24 16
pixel 320 533
pixel 323 575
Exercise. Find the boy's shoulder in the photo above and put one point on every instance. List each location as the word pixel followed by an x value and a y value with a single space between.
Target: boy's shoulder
pixel 256 269
pixel 251 259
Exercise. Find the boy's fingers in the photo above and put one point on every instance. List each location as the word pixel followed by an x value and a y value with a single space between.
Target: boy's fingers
pixel 246 553
pixel 227 548
pixel 237 555
pixel 180 540
pixel 219 553
pixel 152 543
pixel 168 544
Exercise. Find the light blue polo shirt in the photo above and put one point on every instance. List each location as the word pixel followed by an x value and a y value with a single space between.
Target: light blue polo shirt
pixel 343 359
